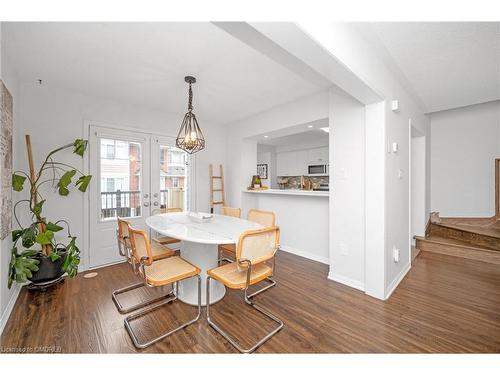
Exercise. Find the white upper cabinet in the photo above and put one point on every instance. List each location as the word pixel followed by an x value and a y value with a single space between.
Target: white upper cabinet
pixel 318 155
pixel 292 163
pixel 282 164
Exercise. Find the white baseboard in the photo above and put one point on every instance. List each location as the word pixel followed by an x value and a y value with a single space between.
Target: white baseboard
pixel 356 284
pixel 9 307
pixel 392 287
pixel 305 254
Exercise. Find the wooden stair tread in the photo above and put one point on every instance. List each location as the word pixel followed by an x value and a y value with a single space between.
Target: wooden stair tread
pixel 483 227
pixel 453 247
pixel 452 241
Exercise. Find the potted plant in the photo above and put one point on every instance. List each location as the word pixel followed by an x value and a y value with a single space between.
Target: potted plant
pixel 39 254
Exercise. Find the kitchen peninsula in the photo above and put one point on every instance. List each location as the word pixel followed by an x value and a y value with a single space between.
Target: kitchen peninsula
pixel 310 193
pixel 295 168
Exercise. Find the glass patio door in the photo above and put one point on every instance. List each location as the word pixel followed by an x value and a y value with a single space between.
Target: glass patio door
pixel 134 174
pixel 170 178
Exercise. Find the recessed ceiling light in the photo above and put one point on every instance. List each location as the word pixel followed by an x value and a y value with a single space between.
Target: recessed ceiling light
pixel 326 130
pixel 266 136
pixel 309 126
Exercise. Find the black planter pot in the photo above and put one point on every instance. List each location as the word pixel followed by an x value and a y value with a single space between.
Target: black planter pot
pixel 47 269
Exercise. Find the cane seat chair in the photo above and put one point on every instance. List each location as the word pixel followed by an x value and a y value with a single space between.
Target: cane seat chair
pixel 125 249
pixel 157 273
pixel 264 218
pixel 230 248
pixel 256 248
pixel 230 211
pixel 165 240
pixel 122 237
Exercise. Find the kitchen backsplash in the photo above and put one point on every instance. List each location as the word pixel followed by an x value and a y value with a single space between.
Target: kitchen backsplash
pixel 294 181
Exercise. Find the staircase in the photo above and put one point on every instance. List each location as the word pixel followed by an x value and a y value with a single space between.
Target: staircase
pixel 471 238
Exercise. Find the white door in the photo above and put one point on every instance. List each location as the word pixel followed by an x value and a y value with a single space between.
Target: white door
pixel 133 173
pixel 170 175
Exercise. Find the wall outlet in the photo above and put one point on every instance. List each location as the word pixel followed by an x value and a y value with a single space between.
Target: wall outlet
pixel 395 105
pixel 395 147
pixel 395 254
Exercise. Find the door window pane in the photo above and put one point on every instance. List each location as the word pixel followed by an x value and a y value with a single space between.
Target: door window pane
pixel 120 167
pixel 173 177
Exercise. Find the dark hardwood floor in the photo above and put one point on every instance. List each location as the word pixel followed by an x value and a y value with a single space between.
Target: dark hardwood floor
pixel 445 304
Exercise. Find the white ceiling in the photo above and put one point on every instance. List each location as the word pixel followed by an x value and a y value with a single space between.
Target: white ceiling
pixel 145 64
pixel 445 64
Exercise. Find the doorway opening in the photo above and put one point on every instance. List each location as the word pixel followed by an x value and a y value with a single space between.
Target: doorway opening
pixel 418 217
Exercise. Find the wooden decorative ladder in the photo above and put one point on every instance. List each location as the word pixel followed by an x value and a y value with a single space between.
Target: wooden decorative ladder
pixel 214 188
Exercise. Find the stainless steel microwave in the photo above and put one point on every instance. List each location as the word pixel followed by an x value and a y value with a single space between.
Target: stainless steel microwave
pixel 317 169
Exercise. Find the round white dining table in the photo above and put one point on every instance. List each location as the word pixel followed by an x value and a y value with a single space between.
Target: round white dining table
pixel 199 243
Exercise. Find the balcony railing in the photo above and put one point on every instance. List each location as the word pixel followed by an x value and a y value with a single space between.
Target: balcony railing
pixel 120 203
pixel 128 203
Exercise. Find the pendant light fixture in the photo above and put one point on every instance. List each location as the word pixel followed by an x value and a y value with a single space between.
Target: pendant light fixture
pixel 190 138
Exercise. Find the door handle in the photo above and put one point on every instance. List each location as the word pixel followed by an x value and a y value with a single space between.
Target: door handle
pixel 155 203
pixel 146 204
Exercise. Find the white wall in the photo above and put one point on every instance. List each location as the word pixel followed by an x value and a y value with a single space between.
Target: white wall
pixel 464 145
pixel 54 116
pixel 347 190
pixel 7 296
pixel 304 145
pixel 348 45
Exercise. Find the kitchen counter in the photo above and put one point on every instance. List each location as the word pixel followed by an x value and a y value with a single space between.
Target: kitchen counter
pixel 310 193
pixel 303 218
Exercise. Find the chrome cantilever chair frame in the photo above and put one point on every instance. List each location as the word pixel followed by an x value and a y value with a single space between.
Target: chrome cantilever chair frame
pixel 114 295
pixel 270 279
pixel 130 318
pixel 249 302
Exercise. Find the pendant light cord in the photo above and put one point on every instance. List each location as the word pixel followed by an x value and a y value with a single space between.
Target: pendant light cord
pixel 190 102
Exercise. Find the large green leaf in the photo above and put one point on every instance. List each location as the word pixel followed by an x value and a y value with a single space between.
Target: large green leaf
pixel 54 227
pixel 21 267
pixel 45 238
pixel 80 145
pixel 72 259
pixel 29 236
pixel 83 181
pixel 16 234
pixel 54 256
pixel 37 209
pixel 64 181
pixel 29 253
pixel 18 182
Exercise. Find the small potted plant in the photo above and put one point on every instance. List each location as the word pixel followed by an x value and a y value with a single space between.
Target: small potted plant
pixel 39 254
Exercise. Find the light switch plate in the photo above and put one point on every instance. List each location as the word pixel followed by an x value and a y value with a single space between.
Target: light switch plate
pixel 395 147
pixel 395 105
pixel 395 252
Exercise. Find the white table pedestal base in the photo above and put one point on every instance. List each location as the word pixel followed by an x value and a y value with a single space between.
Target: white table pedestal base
pixel 203 256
